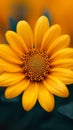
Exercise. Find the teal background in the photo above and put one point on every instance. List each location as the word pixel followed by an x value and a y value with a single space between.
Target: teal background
pixel 13 117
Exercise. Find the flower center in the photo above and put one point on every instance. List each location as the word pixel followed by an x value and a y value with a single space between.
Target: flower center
pixel 36 65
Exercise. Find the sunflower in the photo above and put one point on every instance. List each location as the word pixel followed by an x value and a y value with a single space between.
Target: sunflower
pixel 38 64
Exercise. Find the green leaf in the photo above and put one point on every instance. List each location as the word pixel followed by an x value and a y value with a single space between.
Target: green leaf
pixel 67 110
pixel 14 100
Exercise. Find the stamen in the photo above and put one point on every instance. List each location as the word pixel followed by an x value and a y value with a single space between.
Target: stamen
pixel 36 65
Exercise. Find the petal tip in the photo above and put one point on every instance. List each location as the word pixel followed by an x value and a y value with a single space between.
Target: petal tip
pixel 8 33
pixel 57 26
pixel 21 22
pixel 25 105
pixel 67 37
pixel 67 93
pixel 6 94
pixel 44 19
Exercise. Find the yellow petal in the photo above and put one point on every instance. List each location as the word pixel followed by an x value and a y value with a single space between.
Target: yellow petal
pixel 65 75
pixel 1 71
pixel 62 54
pixel 9 67
pixel 25 31
pixel 16 42
pixel 29 97
pixel 41 27
pixel 8 54
pixel 7 79
pixel 57 87
pixel 62 58
pixel 17 89
pixel 61 62
pixel 46 99
pixel 52 33
pixel 60 43
pixel 65 80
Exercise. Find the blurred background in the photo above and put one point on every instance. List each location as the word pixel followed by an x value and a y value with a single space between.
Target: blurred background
pixel 12 115
pixel 58 11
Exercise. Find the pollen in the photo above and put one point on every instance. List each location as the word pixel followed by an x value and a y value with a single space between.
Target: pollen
pixel 36 65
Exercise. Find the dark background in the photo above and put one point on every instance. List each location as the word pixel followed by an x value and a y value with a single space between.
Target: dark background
pixel 14 117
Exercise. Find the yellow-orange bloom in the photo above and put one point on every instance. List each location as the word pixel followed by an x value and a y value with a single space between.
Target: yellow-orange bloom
pixel 38 63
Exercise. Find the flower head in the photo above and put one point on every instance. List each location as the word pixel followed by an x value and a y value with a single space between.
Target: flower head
pixel 38 63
